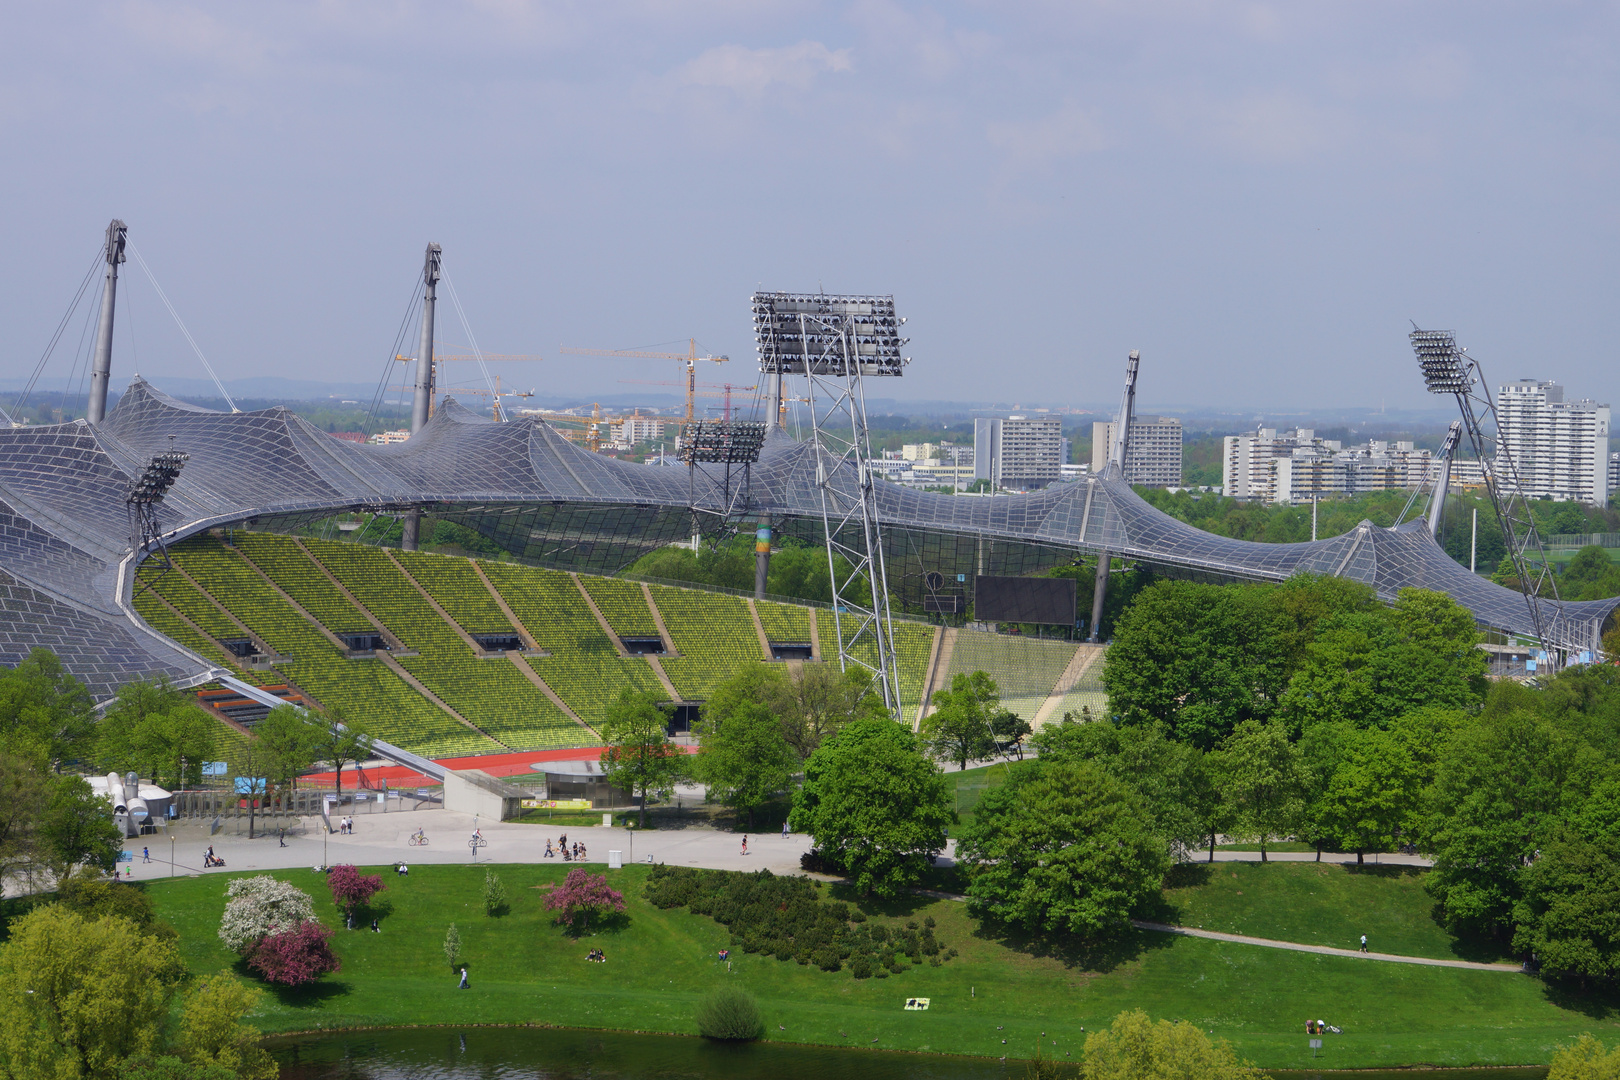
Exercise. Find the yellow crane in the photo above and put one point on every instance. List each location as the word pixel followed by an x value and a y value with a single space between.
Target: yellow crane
pixel 719 390
pixel 690 359
pixel 438 374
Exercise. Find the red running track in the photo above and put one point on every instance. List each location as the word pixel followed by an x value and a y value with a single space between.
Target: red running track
pixel 514 764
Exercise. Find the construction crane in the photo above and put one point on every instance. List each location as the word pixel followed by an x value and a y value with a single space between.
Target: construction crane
pixel 486 358
pixel 690 359
pixel 592 432
pixel 709 390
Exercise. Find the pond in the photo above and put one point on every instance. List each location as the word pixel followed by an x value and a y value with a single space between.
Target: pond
pixel 566 1054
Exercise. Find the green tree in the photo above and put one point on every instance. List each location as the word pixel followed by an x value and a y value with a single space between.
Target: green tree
pixel 1590 575
pixel 1135 1048
pixel 639 757
pixel 1198 658
pixel 77 828
pixel 341 741
pixel 1062 847
pixel 452 945
pixel 212 1031
pixel 23 794
pixel 494 894
pixel 78 996
pixel 290 740
pixel 250 766
pixel 1261 780
pixel 959 727
pixel 1586 1059
pixel 875 805
pixel 1372 795
pixel 1499 789
pixel 822 700
pixel 46 715
pixel 1010 730
pixel 745 761
pixel 159 732
pixel 1568 915
pixel 1368 668
pixel 1172 779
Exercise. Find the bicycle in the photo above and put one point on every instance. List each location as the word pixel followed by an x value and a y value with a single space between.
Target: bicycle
pixel 418 839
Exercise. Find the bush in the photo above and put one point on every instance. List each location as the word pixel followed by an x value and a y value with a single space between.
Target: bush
pixel 814 862
pixel 295 957
pixel 452 945
pixel 861 968
pixel 261 906
pixel 582 895
pixel 352 889
pixel 729 1013
pixel 787 918
pixel 494 894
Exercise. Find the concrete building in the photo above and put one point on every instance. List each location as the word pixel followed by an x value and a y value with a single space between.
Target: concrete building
pixel 1017 451
pixel 391 438
pixel 1560 448
pixel 1614 473
pixel 1152 453
pixel 636 428
pixel 1297 466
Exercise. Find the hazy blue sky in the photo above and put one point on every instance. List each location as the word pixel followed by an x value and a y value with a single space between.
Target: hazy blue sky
pixel 1258 196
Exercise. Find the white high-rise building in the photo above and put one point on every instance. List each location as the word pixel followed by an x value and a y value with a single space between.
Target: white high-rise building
pixel 1152 453
pixel 1560 449
pixel 1018 451
pixel 1296 466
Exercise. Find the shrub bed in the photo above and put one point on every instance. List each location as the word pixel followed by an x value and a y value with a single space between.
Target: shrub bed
pixel 786 917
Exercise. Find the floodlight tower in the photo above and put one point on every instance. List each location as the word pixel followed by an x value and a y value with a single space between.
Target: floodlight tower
pixel 101 367
pixel 146 493
pixel 422 396
pixel 1448 369
pixel 1116 457
pixel 836 342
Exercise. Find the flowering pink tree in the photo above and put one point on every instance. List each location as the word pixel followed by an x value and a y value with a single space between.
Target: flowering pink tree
pixel 352 889
pixel 582 895
pixel 295 957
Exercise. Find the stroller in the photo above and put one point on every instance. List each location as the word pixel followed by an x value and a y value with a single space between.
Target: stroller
pixel 210 859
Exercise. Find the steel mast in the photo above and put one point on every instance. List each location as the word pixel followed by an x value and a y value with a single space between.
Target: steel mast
pixel 1116 457
pixel 422 397
pixel 101 368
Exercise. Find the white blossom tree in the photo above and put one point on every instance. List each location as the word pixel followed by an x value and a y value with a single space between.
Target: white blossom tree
pixel 260 906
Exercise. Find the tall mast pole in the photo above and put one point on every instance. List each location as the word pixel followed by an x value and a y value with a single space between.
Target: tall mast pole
pixel 1117 448
pixel 422 398
pixel 101 369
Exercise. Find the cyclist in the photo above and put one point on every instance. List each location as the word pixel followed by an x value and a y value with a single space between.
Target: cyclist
pixel 418 838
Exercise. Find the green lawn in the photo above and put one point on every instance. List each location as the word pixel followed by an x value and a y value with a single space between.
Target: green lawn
pixel 1318 904
pixel 525 970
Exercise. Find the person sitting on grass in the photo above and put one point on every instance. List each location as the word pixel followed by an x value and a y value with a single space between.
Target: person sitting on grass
pixel 402 870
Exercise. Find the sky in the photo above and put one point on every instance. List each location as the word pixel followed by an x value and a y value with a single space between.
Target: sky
pixel 1259 197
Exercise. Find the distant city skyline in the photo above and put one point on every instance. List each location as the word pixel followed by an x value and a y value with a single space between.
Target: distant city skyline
pixel 1257 197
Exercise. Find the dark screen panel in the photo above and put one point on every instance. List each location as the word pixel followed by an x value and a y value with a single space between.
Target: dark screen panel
pixel 1024 600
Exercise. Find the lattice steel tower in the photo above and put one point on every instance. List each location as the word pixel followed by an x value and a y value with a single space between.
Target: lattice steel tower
pixel 836 342
pixel 1448 369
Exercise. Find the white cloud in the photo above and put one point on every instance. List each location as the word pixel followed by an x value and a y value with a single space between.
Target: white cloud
pixel 752 71
pixel 1066 133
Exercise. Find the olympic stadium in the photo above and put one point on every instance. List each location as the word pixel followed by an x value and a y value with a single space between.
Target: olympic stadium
pixel 164 539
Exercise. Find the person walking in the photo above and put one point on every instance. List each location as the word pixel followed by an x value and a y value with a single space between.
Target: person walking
pixel 745 845
pixel 784 830
pixel 146 856
pixel 1363 942
pixel 463 985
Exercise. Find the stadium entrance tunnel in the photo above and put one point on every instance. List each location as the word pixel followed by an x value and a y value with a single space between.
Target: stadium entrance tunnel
pixel 792 650
pixel 642 646
pixel 498 643
pixel 682 716
pixel 366 642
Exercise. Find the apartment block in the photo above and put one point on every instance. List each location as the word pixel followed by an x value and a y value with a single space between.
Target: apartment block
pixel 1296 466
pixel 1560 449
pixel 1152 452
pixel 1018 451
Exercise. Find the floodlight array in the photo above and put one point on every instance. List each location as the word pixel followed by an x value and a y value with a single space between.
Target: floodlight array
pixel 727 442
pixel 153 484
pixel 822 334
pixel 1445 368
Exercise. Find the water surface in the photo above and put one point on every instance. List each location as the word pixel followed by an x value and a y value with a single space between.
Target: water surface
pixel 566 1054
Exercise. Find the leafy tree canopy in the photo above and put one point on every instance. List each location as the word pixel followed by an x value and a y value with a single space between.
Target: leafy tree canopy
pixel 959 727
pixel 745 761
pixel 1062 847
pixel 639 757
pixel 873 803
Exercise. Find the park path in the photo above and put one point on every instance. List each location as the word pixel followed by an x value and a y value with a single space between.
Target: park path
pixel 1323 950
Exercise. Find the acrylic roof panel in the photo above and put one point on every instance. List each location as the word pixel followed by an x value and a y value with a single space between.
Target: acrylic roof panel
pixel 65 545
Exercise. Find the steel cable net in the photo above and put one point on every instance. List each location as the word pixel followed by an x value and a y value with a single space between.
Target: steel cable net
pixel 66 563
